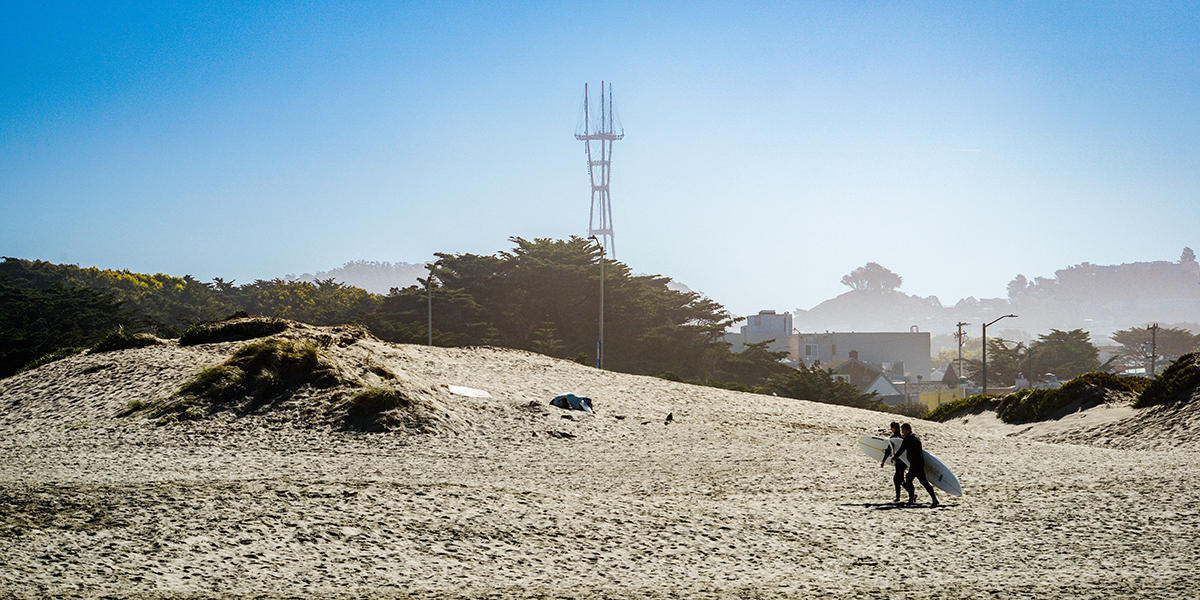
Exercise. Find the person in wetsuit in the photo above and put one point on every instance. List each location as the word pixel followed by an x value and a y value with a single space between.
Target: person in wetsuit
pixel 893 450
pixel 911 449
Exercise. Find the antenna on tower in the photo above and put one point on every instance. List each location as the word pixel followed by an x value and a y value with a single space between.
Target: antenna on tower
pixel 605 131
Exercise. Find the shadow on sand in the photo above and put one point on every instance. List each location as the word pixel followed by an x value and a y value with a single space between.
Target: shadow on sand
pixel 898 505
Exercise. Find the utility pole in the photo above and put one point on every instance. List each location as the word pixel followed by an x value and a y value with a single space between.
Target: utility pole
pixel 600 340
pixel 1153 348
pixel 429 297
pixel 960 336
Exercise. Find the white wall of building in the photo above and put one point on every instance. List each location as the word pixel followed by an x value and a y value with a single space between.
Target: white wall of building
pixel 881 348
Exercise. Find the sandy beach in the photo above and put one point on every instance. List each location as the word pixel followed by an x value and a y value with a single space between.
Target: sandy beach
pixel 738 496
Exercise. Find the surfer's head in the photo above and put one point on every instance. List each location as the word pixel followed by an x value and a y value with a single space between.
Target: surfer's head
pixel 905 429
pixel 895 427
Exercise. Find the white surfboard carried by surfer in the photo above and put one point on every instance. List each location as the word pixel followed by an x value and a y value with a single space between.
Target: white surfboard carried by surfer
pixel 938 474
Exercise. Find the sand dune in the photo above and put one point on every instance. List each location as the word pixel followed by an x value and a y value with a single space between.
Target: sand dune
pixel 740 496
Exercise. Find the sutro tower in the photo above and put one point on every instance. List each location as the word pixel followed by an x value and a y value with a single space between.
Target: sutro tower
pixel 606 131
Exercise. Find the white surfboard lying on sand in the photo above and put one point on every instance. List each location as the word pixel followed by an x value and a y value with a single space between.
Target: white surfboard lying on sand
pixel 938 474
pixel 459 390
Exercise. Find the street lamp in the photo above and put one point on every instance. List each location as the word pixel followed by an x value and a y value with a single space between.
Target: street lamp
pixel 429 296
pixel 985 326
pixel 600 340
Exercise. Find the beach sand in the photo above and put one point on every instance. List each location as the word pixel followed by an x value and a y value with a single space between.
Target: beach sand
pixel 739 496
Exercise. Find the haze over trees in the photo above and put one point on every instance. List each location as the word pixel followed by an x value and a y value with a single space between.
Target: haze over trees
pixel 1169 343
pixel 378 277
pixel 542 295
pixel 872 276
pixel 1101 299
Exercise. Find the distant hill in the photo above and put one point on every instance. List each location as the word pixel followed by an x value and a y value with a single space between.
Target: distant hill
pixel 1097 298
pixel 373 276
pixel 679 287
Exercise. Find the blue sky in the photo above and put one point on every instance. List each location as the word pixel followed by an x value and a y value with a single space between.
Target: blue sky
pixel 770 147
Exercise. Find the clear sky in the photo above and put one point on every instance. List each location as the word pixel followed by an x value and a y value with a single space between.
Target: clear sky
pixel 770 147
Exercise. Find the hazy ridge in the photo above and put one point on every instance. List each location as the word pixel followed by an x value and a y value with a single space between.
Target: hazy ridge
pixel 377 277
pixel 1097 298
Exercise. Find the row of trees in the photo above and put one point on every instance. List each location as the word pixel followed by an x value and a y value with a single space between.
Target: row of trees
pixel 1068 354
pixel 1139 345
pixel 543 295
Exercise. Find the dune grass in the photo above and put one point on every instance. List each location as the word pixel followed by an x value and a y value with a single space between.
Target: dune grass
pixel 1027 406
pixel 964 406
pixel 259 370
pixel 1088 389
pixel 231 330
pixel 122 339
pixel 257 374
pixel 52 356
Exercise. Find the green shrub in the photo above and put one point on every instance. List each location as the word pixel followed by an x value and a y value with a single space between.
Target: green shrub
pixel 260 370
pixel 1137 384
pixel 1108 381
pixel 230 331
pixel 1178 381
pixel 963 406
pixel 122 340
pixel 50 357
pixel 258 373
pixel 1027 406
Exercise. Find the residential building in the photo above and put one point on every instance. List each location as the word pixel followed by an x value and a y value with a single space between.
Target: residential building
pixel 766 325
pixel 899 354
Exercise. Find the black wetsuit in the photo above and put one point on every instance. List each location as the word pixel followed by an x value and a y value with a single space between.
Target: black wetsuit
pixel 898 477
pixel 911 448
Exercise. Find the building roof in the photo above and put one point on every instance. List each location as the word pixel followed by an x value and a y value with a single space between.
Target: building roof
pixel 883 387
pixel 951 375
pixel 842 365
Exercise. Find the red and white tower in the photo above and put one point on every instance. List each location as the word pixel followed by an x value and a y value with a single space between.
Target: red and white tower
pixel 605 131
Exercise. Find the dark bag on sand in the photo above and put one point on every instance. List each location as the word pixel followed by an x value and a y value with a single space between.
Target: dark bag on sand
pixel 573 402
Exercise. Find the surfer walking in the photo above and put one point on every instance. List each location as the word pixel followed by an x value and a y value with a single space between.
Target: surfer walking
pixel 893 450
pixel 911 450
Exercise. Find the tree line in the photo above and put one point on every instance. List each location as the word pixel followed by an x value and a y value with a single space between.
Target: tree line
pixel 1069 354
pixel 542 295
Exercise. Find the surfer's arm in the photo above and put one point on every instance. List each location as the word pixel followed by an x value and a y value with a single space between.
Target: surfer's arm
pixel 886 452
